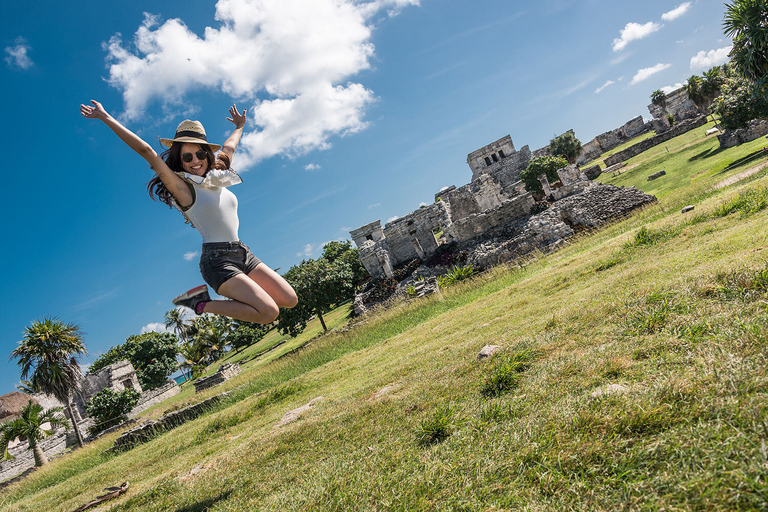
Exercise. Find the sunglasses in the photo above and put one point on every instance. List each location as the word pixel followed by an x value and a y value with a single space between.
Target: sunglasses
pixel 200 154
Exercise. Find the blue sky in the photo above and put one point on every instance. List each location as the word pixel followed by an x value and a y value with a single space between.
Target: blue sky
pixel 358 110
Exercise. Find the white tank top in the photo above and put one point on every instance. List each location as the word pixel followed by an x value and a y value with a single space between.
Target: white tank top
pixel 214 209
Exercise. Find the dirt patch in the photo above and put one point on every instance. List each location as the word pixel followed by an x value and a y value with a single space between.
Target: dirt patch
pixel 742 175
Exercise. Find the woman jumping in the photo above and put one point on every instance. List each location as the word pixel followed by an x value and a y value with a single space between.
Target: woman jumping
pixel 194 180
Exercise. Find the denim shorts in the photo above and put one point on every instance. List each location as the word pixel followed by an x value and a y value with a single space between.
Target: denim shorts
pixel 221 261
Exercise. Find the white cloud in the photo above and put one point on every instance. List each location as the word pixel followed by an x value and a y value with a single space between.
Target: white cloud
pixel 292 60
pixel 445 188
pixel 669 88
pixel 646 73
pixel 311 167
pixel 155 327
pixel 394 217
pixel 191 255
pixel 632 32
pixel 17 55
pixel 676 12
pixel 606 84
pixel 308 251
pixel 374 205
pixel 706 60
pixel 422 204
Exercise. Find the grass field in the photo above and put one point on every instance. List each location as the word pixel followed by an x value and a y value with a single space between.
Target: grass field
pixel 632 376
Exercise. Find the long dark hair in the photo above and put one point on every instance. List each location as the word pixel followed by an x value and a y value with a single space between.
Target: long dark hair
pixel 172 156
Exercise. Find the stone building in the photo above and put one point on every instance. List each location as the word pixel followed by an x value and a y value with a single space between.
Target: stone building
pixel 495 201
pixel 678 105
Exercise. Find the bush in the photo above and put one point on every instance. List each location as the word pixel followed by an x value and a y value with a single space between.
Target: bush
pixel 739 103
pixel 455 275
pixel 109 408
pixel 547 165
pixel 567 146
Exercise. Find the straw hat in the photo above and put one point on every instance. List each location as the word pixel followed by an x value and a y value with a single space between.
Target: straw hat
pixel 190 131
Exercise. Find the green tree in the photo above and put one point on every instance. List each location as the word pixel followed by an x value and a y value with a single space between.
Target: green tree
pixel 344 253
pixel 567 146
pixel 153 356
pixel 738 104
pixel 30 426
pixel 320 286
pixel 547 165
pixel 109 408
pixel 246 335
pixel 49 354
pixel 745 22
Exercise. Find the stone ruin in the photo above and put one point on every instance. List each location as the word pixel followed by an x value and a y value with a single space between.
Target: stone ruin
pixel 488 221
pixel 609 140
pixel 118 376
pixel 224 373
pixel 678 105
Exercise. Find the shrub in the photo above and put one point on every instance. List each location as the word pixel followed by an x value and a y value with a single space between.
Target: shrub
pixel 567 146
pixel 455 275
pixel 109 408
pixel 739 102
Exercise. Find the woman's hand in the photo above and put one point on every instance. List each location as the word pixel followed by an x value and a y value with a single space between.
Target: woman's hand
pixel 96 111
pixel 237 118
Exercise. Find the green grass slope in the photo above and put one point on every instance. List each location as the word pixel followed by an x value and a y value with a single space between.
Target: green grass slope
pixel 632 376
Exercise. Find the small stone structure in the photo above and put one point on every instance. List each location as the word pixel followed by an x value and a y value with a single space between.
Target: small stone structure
pixel 226 372
pixel 755 129
pixel 657 175
pixel 426 286
pixel 118 377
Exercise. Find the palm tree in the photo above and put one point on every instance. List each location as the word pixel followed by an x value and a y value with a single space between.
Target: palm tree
pixel 49 353
pixel 30 426
pixel 174 319
pixel 744 21
pixel 26 387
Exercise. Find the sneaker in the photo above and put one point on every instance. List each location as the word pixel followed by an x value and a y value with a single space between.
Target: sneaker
pixel 193 297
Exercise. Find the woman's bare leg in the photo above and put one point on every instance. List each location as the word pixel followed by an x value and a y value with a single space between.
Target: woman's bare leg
pixel 274 284
pixel 256 297
pixel 249 301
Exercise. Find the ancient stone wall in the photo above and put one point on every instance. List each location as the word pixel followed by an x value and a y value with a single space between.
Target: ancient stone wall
pixel 370 231
pixel 23 459
pixel 756 129
pixel 477 224
pixel 482 194
pixel 646 144
pixel 609 140
pixel 155 396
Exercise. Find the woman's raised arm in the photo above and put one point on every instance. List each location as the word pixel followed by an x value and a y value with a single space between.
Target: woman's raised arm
pixel 173 183
pixel 234 139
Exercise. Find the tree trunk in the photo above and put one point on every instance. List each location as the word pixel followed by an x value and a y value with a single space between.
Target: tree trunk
pixel 322 322
pixel 37 451
pixel 74 423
